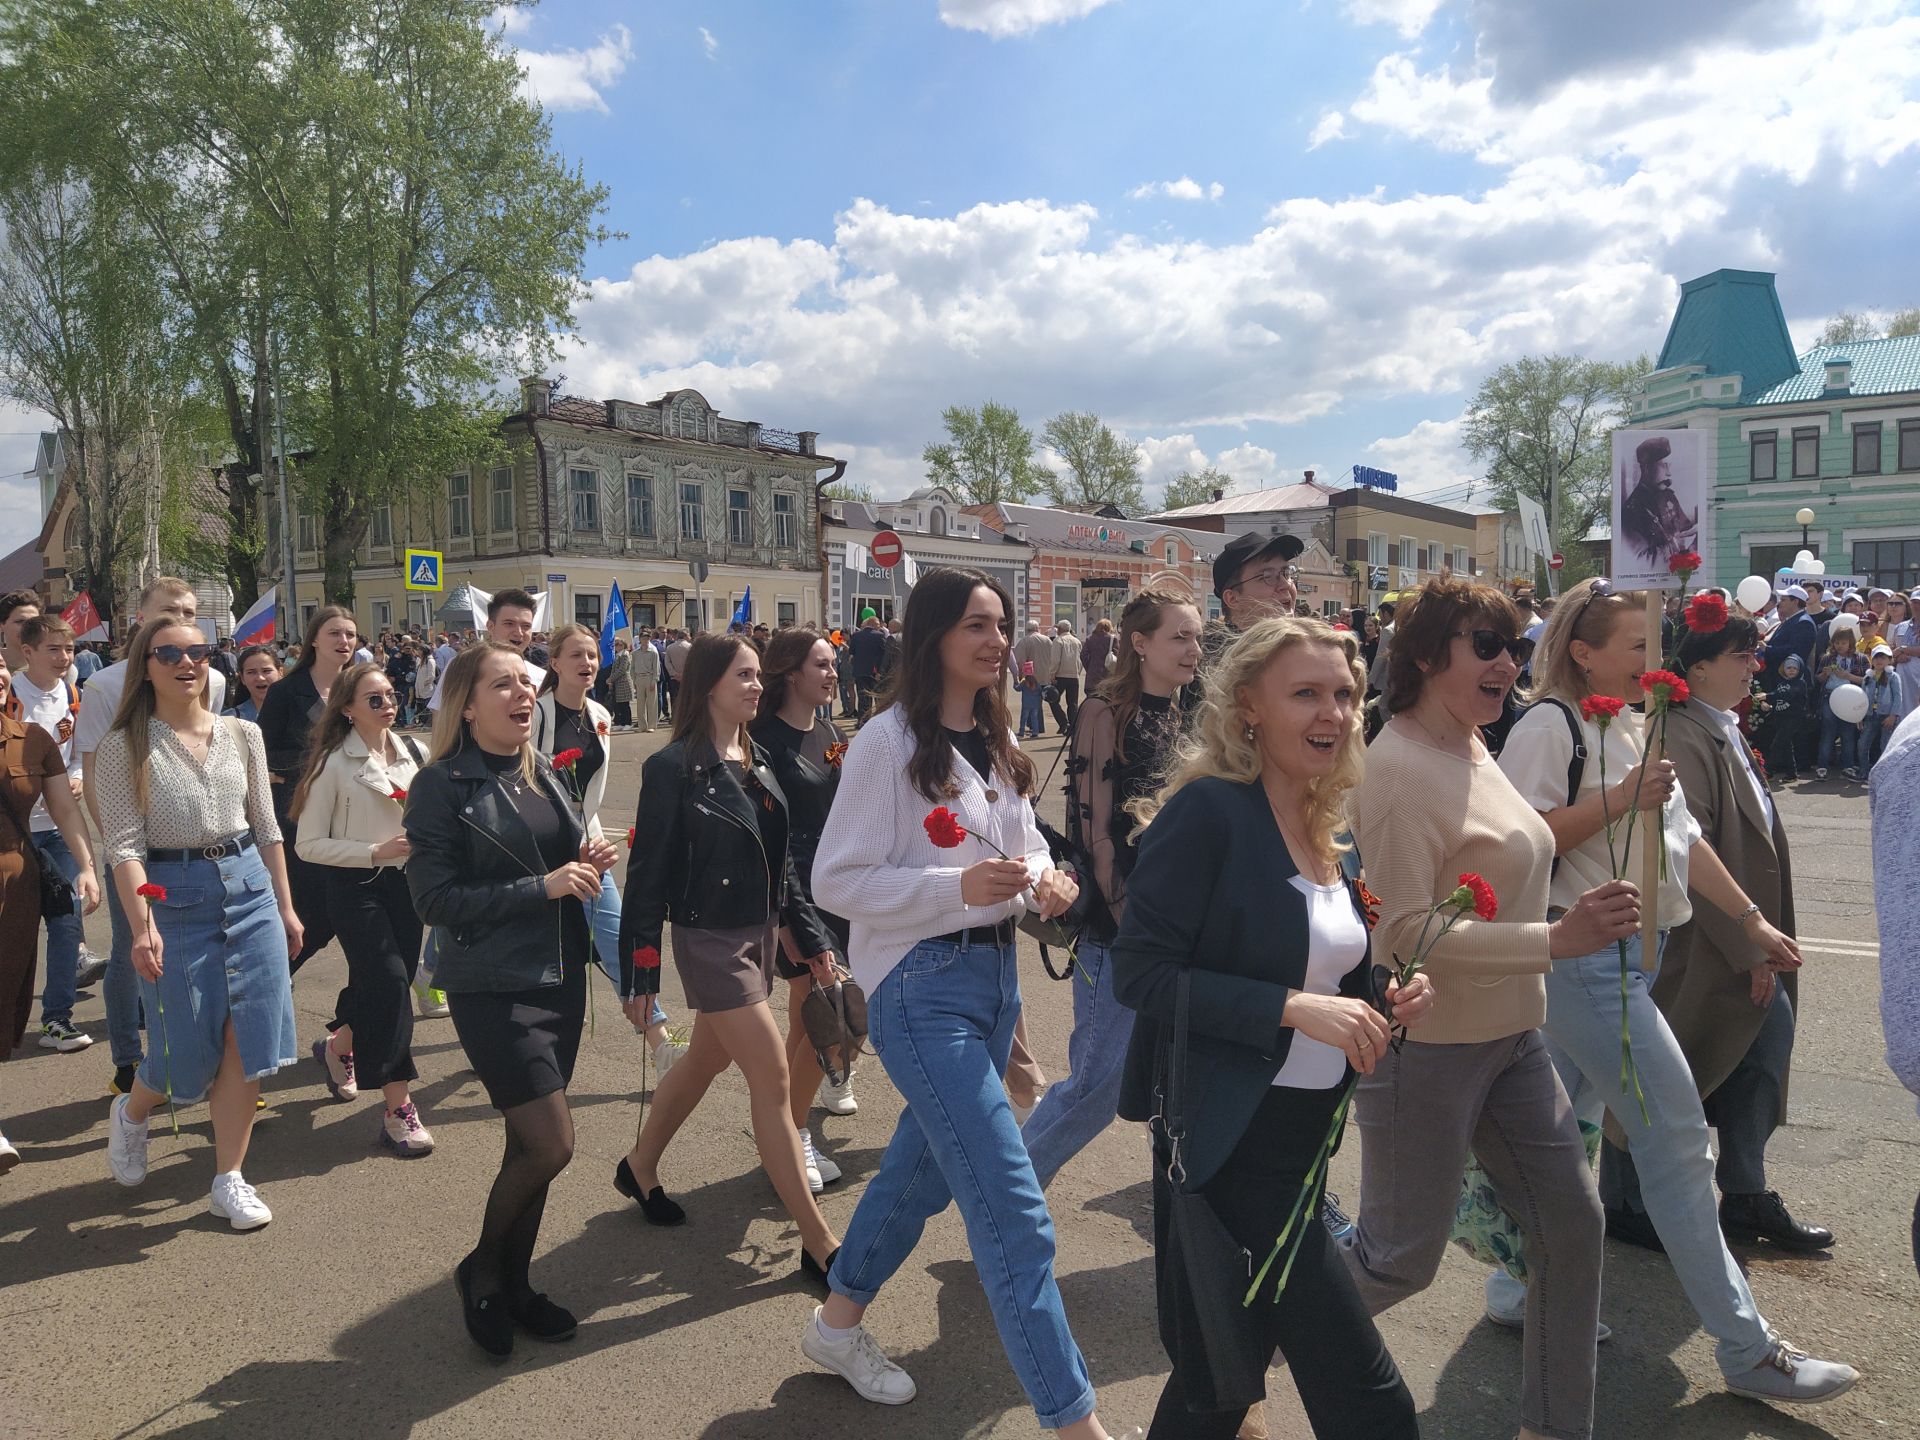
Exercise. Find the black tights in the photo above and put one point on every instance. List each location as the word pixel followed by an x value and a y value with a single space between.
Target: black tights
pixel 539 1145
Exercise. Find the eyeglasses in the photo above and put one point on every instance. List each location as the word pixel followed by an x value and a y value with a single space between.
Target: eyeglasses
pixel 377 701
pixel 174 654
pixel 1489 643
pixel 1268 579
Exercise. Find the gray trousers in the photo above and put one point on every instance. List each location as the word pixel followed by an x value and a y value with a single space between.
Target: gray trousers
pixel 1420 1113
pixel 1745 1112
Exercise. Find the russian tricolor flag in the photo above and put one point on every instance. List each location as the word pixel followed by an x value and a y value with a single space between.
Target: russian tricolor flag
pixel 256 626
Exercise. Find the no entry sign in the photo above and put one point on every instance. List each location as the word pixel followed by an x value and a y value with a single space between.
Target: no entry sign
pixel 886 549
pixel 1557 561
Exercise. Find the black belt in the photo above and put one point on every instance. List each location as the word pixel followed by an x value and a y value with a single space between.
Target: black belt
pixel 1001 934
pixel 242 841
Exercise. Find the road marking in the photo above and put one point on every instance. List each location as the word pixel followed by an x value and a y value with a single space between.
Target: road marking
pixel 1841 947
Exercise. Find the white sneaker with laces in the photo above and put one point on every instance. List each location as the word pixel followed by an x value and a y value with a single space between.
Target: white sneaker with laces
pixel 62 1035
pixel 837 1099
pixel 1790 1376
pixel 126 1144
pixel 858 1361
pixel 1507 1305
pixel 821 1171
pixel 9 1157
pixel 238 1203
pixel 666 1055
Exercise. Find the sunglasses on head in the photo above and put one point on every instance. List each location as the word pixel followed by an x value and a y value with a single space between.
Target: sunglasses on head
pixel 174 654
pixel 1489 643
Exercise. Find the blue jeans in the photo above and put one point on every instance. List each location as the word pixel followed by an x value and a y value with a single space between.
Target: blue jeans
pixel 1873 739
pixel 1832 727
pixel 942 1024
pixel 121 988
pixel 1671 1150
pixel 1030 717
pixel 604 914
pixel 1079 1107
pixel 63 932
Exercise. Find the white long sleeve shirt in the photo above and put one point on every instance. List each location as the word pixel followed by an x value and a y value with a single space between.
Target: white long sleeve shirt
pixel 877 868
pixel 1894 792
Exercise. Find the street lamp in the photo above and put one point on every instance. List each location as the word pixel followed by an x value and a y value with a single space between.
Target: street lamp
pixel 1803 517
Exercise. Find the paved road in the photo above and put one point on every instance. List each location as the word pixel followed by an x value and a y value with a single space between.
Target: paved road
pixel 134 1314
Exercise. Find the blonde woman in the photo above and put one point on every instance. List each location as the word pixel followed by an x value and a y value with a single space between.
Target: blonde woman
pixel 186 812
pixel 1244 912
pixel 350 803
pixel 499 861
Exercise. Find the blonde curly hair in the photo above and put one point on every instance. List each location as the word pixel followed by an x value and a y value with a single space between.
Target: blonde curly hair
pixel 1221 744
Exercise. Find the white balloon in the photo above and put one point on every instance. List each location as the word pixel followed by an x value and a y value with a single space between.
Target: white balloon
pixel 1815 567
pixel 1753 593
pixel 1849 704
pixel 1846 622
pixel 1800 558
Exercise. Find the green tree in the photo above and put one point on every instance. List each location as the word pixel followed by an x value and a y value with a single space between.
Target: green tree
pixel 1904 322
pixel 987 456
pixel 1103 466
pixel 1545 420
pixel 1849 325
pixel 362 179
pixel 849 490
pixel 1189 488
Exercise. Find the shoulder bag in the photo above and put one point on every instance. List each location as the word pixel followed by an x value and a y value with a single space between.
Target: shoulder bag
pixel 56 893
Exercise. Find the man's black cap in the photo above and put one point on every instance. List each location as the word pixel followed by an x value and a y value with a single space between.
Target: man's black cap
pixel 1243 549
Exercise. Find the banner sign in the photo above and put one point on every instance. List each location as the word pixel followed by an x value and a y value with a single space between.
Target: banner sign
pixel 1375 479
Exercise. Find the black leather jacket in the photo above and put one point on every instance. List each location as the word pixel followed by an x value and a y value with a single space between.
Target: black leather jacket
pixel 699 857
pixel 476 874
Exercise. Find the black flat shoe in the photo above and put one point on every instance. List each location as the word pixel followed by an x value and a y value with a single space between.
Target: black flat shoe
pixel 541 1318
pixel 812 1270
pixel 487 1319
pixel 1633 1229
pixel 654 1204
pixel 1749 1219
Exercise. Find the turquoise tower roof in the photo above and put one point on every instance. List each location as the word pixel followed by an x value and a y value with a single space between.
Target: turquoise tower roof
pixel 1731 323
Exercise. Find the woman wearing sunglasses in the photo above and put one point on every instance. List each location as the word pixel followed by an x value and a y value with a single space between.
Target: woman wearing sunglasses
pixel 194 850
pixel 1596 647
pixel 350 804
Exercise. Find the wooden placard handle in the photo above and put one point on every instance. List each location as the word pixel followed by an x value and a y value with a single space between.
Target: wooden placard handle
pixel 1655 839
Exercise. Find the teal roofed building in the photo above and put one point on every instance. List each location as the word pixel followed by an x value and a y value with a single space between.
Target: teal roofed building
pixel 1834 430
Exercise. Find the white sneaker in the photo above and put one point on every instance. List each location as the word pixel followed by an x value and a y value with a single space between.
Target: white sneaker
pixel 1507 1305
pixel 860 1362
pixel 9 1157
pixel 1023 1113
pixel 238 1203
pixel 837 1099
pixel 429 1003
pixel 62 1035
pixel 811 1162
pixel 1790 1376
pixel 1819 772
pixel 126 1144
pixel 666 1055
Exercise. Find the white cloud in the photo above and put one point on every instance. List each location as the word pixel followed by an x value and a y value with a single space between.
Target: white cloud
pixel 1332 126
pixel 1428 458
pixel 575 79
pixel 707 39
pixel 19 493
pixel 1409 17
pixel 1253 466
pixel 1001 18
pixel 1164 457
pixel 511 19
pixel 1185 188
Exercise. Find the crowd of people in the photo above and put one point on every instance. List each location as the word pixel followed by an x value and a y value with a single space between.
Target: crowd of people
pixel 1308 871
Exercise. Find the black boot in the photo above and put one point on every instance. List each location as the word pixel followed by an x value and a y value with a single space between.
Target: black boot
pixel 1749 1219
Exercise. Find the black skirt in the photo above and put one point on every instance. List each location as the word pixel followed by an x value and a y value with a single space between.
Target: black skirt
pixel 522 1043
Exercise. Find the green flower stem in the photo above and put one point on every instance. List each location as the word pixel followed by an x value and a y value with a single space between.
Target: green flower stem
pixel 1310 1187
pixel 166 1049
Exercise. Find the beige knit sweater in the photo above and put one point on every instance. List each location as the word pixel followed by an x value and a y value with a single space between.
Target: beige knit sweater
pixel 1422 817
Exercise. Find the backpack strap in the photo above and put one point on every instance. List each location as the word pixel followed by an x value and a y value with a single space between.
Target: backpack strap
pixel 1577 766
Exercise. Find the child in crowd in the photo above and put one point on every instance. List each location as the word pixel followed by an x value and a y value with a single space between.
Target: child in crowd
pixel 1844 666
pixel 1789 704
pixel 1884 709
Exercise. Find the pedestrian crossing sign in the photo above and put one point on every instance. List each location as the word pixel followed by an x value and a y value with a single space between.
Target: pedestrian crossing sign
pixel 423 569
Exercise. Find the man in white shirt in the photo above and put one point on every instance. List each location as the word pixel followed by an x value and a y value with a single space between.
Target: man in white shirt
pixel 509 621
pixel 1066 675
pixel 16 609
pixel 172 597
pixel 43 696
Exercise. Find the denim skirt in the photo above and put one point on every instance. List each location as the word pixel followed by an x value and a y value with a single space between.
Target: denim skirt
pixel 223 958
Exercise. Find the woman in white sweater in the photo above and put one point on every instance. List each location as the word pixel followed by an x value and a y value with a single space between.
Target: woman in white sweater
pixel 930 853
pixel 350 803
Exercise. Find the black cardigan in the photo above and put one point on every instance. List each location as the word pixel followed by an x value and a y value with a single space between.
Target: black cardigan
pixel 286 721
pixel 1210 894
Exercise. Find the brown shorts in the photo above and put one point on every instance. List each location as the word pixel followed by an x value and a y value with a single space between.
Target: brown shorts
pixel 725 969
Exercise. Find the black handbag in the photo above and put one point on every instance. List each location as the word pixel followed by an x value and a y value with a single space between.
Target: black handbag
pixel 1088 915
pixel 1201 1273
pixel 56 893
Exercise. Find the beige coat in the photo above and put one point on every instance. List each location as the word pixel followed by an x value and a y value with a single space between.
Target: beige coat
pixel 350 808
pixel 1703 983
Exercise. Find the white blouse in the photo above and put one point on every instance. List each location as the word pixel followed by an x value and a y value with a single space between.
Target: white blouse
pixel 1336 942
pixel 188 803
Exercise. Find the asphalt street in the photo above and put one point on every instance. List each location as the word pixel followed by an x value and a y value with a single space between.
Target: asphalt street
pixel 133 1314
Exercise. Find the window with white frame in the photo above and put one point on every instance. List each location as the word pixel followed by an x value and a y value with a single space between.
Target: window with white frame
pixel 380 526
pixel 693 503
pixel 382 615
pixel 739 516
pixel 1409 553
pixel 1066 603
pixel 1376 548
pixel 1173 552
pixel 1460 566
pixel 584 488
pixel 639 505
pixel 783 517
pixel 305 531
pixel 460 506
pixel 786 613
pixel 502 501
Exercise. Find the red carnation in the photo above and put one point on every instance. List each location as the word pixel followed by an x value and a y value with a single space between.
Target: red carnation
pixel 1478 894
pixel 1685 563
pixel 397 794
pixel 1665 687
pixel 601 728
pixel 152 891
pixel 1601 708
pixel 944 828
pixel 647 957
pixel 1706 613
pixel 630 834
pixel 567 759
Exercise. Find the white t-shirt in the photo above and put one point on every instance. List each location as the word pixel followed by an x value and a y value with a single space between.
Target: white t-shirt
pixel 101 698
pixel 1336 942
pixel 1535 759
pixel 1743 757
pixel 49 709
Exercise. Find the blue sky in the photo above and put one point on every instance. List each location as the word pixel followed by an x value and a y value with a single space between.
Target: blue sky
pixel 1272 236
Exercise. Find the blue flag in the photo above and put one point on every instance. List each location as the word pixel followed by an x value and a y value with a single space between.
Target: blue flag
pixel 743 612
pixel 615 622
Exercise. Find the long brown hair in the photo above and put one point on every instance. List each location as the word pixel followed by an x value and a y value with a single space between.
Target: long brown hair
pixel 786 653
pixel 314 626
pixel 938 603
pixel 136 699
pixel 573 630
pixel 1144 615
pixel 709 659
pixel 450 732
pixel 332 729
